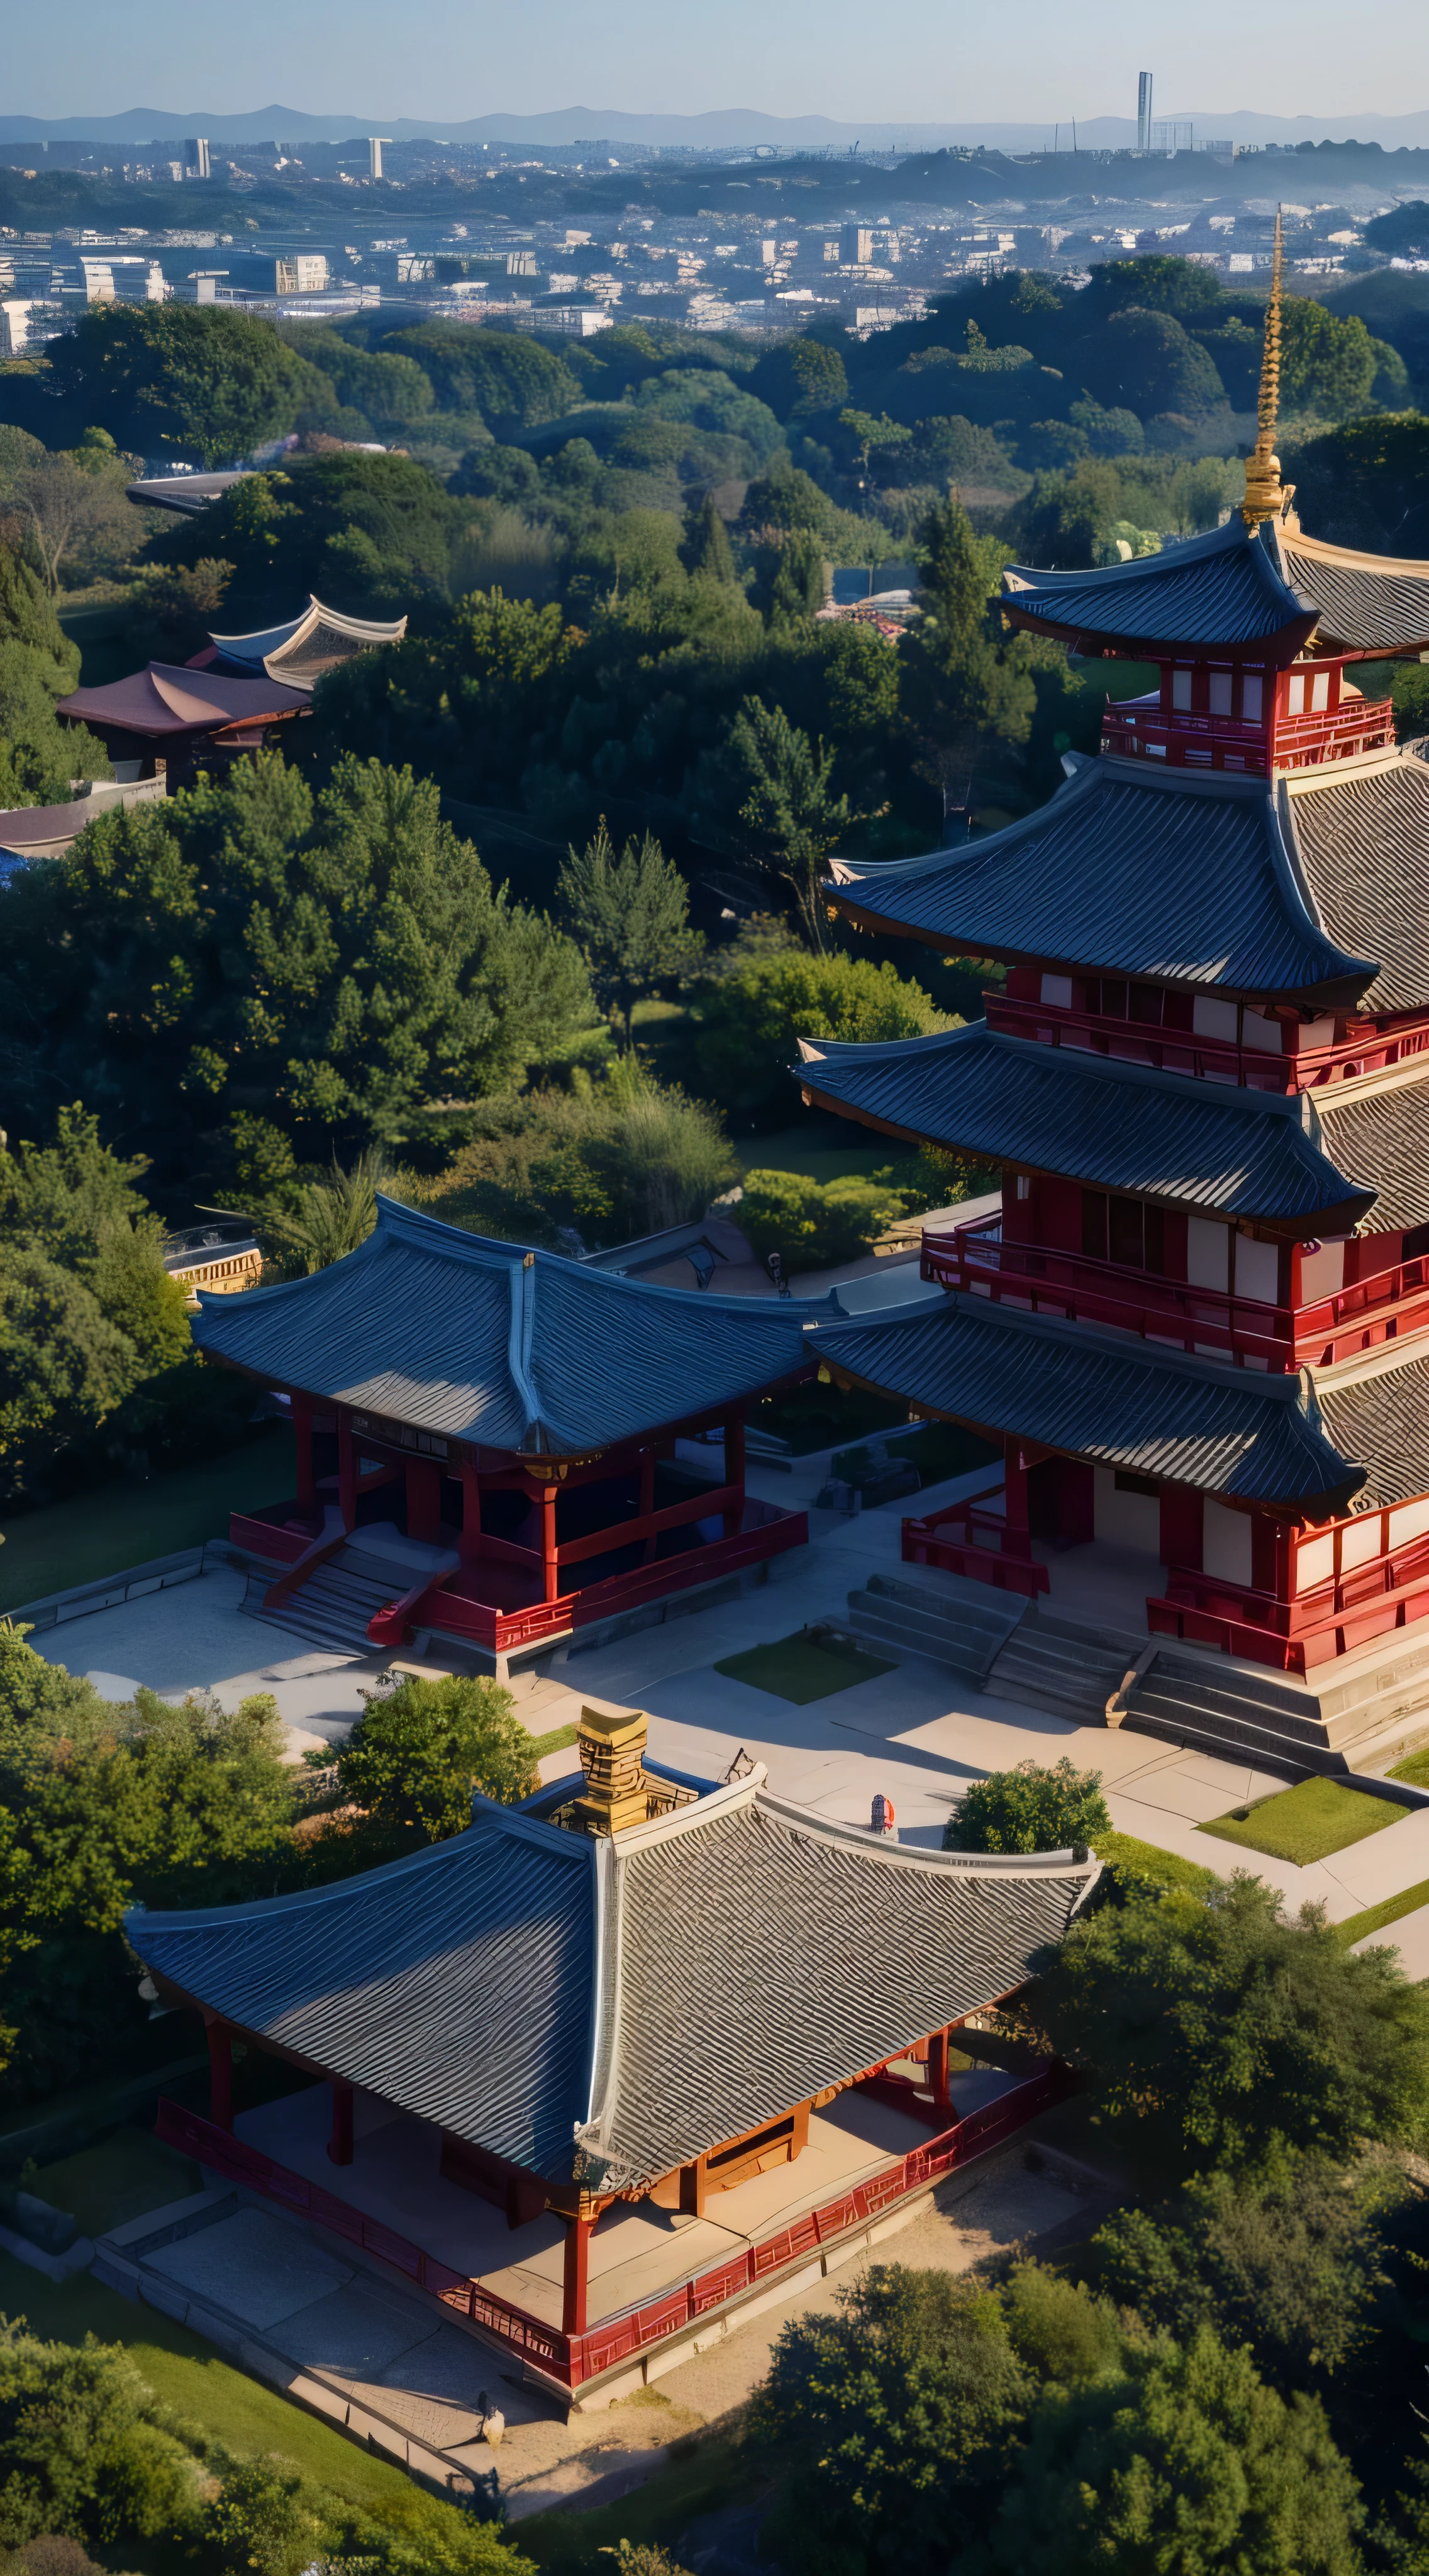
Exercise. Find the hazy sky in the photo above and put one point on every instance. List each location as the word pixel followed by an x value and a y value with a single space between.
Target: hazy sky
pixel 930 60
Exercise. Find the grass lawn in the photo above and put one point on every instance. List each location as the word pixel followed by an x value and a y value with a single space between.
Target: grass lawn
pixel 1148 1861
pixel 796 1669
pixel 559 1740
pixel 244 2414
pixel 820 1151
pixel 1414 1769
pixel 1390 1909
pixel 125 1524
pixel 1306 1823
pixel 107 2185
pixel 702 2477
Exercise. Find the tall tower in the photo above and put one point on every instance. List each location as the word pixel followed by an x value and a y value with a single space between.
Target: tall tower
pixel 374 154
pixel 1143 112
pixel 1199 1325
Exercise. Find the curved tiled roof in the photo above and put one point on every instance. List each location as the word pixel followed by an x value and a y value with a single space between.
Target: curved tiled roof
pixel 522 1351
pixel 1220 592
pixel 1115 1126
pixel 1379 1130
pixel 1371 603
pixel 636 2001
pixel 1361 834
pixel 1380 1415
pixel 1093 1395
pixel 1177 879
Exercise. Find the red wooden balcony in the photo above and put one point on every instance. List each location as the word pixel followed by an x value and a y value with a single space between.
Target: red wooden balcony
pixel 1083 1289
pixel 1356 1604
pixel 1144 729
pixel 971 1539
pixel 1170 1050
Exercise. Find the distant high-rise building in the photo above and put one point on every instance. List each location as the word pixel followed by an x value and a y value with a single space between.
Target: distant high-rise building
pixel 374 154
pixel 856 246
pixel 196 156
pixel 1143 112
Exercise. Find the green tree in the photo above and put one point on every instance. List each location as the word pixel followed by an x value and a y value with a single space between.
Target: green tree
pixel 367 533
pixel 38 664
pixel 1288 2259
pixel 902 2409
pixel 707 548
pixel 602 1162
pixel 332 969
pixel 256 2525
pixel 87 1309
pixel 1034 1807
pixel 1208 2030
pixel 1189 2465
pixel 1147 362
pixel 418 1751
pixel 73 505
pixel 787 816
pixel 868 432
pixel 814 1224
pixel 515 383
pixel 1159 283
pixel 79 2453
pixel 195 378
pixel 1365 483
pixel 801 377
pixel 748 1024
pixel 307 1225
pixel 630 919
pixel 962 684
pixel 1327 360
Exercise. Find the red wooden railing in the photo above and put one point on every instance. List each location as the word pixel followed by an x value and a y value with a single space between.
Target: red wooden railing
pixel 1171 1050
pixel 1358 1603
pixel 971 1539
pixel 1389 1304
pixel 1183 738
pixel 571 2360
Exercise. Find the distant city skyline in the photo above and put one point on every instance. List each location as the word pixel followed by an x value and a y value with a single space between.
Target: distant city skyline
pixel 927 64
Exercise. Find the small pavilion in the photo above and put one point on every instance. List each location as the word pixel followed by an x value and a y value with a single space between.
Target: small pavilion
pixel 554 1444
pixel 601 2013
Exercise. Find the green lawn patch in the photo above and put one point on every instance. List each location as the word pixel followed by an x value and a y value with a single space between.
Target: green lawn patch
pixel 816 1149
pixel 1306 1823
pixel 122 1524
pixel 1390 1909
pixel 800 1669
pixel 106 2186
pixel 1147 1862
pixel 248 2417
pixel 1414 1769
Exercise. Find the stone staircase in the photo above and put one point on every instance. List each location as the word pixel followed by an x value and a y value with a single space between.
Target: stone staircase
pixel 919 1610
pixel 1230 1708
pixel 332 1608
pixel 1062 1665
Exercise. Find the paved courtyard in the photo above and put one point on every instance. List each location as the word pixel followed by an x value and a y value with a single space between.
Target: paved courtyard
pixel 919 1733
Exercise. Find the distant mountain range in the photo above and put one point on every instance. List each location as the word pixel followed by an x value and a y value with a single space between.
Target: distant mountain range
pixel 720 129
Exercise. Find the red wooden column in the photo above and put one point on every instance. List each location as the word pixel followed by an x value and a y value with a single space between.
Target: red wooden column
pixel 303 1437
pixel 339 2145
pixel 577 2268
pixel 550 1570
pixel 424 1501
pixel 470 1546
pixel 734 1473
pixel 647 1497
pixel 346 1473
pixel 220 2075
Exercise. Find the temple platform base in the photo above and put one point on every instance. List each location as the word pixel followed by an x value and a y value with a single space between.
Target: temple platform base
pixel 1357 1710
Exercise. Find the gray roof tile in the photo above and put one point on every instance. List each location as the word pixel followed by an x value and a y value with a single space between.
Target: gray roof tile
pixel 1225 589
pixel 1361 833
pixel 1180 879
pixel 1094 1395
pixel 521 1352
pixel 1115 1126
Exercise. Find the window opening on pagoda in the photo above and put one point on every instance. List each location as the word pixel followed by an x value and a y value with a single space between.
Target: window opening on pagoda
pixel 1123 1231
pixel 1181 688
pixel 1220 696
pixel 1251 697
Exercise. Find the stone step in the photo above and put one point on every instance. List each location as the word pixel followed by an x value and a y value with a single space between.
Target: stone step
pixel 974 1605
pixel 898 1627
pixel 1072 1675
pixel 333 1607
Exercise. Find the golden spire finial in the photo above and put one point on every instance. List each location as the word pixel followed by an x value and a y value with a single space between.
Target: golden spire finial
pixel 1264 494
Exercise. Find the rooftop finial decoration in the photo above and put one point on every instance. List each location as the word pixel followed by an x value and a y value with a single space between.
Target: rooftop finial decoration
pixel 1265 495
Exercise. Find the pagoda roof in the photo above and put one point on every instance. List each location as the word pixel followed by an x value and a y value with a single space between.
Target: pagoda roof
pixel 1175 878
pixel 303 647
pixel 627 2002
pixel 520 1351
pixel 1367 603
pixel 1360 831
pixel 1378 1128
pixel 1224 593
pixel 1235 1153
pixel 164 699
pixel 1376 1408
pixel 1092 1394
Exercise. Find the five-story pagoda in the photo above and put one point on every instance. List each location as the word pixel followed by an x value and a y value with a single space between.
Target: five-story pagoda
pixel 1201 1328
